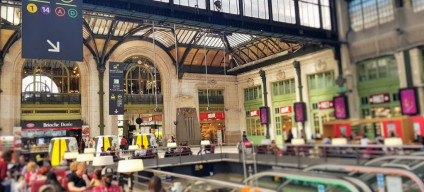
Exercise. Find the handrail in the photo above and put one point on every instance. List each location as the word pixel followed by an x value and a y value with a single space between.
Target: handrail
pixel 397 157
pixel 317 178
pixel 365 169
pixel 211 181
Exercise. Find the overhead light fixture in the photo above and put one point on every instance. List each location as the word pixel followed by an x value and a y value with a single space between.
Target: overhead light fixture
pixel 218 5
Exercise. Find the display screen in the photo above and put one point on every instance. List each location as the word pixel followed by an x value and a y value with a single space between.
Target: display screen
pixel 408 101
pixel 340 107
pixel 299 112
pixel 264 115
pixel 40 141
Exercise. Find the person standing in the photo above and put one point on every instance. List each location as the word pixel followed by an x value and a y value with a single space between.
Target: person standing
pixel 6 158
pixel 123 143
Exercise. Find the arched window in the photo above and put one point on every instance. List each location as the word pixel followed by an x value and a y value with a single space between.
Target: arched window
pixel 140 76
pixel 47 76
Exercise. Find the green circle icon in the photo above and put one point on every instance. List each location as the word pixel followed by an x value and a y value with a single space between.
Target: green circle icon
pixel 72 13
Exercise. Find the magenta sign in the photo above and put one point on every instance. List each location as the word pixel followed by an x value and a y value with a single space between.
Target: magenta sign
pixel 341 110
pixel 299 112
pixel 264 115
pixel 408 101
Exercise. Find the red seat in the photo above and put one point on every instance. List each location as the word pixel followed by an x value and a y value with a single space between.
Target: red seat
pixel 64 182
pixel 36 185
pixel 60 173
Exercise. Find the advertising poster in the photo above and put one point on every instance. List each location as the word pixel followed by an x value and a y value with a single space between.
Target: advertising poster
pixel 17 134
pixel 408 101
pixel 394 184
pixel 85 133
pixel 340 107
pixel 264 115
pixel 300 112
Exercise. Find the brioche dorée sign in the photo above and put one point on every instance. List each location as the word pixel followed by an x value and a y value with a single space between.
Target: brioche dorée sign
pixel 50 124
pixel 379 98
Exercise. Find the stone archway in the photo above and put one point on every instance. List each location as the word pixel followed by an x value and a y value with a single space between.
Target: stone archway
pixel 10 84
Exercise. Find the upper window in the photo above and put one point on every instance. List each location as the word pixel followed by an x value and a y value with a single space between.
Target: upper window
pixel 380 68
pixel 283 87
pixel 283 10
pixel 226 6
pixel 48 76
pixel 417 5
pixel 256 8
pixel 369 13
pixel 141 77
pixel 310 10
pixel 253 93
pixel 321 80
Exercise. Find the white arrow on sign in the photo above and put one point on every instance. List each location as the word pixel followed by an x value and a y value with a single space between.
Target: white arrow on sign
pixel 56 48
pixel 116 110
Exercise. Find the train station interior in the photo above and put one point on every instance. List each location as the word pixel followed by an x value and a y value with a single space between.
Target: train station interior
pixel 212 95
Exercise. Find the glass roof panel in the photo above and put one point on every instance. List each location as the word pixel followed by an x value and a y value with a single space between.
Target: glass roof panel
pixel 164 37
pixel 11 14
pixel 210 40
pixel 236 39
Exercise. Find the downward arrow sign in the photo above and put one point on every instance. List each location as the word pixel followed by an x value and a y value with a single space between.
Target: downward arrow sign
pixel 116 111
pixel 56 48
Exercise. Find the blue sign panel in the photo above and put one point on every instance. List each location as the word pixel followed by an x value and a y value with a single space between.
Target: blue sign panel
pixel 380 181
pixel 321 188
pixel 116 88
pixel 52 29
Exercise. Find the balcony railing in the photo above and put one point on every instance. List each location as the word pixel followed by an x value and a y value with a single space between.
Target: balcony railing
pixel 51 98
pixel 143 99
pixel 212 99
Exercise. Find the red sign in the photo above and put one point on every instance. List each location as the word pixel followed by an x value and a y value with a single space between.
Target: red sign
pixel 212 115
pixel 254 113
pixel 286 109
pixel 325 105
pixel 379 98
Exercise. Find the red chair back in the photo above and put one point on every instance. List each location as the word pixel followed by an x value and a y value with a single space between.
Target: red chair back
pixel 64 182
pixel 60 173
pixel 35 187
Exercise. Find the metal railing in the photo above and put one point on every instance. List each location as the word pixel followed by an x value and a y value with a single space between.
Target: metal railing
pixel 50 98
pixel 143 99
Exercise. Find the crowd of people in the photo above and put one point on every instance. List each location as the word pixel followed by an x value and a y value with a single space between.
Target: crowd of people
pixel 22 176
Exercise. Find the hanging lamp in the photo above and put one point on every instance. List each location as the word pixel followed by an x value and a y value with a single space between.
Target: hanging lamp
pixel 206 71
pixel 155 70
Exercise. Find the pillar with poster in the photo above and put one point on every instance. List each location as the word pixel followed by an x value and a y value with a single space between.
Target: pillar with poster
pixel 211 124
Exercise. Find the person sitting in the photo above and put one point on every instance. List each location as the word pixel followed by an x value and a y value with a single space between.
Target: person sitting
pixel 42 174
pixel 97 178
pixel 155 185
pixel 107 186
pixel 273 148
pixel 45 162
pixel 52 180
pixel 78 181
pixel 31 174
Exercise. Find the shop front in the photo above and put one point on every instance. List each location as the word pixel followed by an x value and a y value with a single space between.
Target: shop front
pixel 255 131
pixel 283 97
pixel 36 135
pixel 212 126
pixel 321 92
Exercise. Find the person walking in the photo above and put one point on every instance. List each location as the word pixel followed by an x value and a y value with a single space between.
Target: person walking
pixel 123 143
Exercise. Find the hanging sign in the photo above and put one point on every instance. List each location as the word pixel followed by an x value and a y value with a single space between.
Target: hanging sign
pixel 379 98
pixel 394 184
pixel 341 110
pixel 300 112
pixel 325 105
pixel 264 115
pixel 254 113
pixel 285 110
pixel 212 115
pixel 116 88
pixel 380 181
pixel 409 101
pixel 52 29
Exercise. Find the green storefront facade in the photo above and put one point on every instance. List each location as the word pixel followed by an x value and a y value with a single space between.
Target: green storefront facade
pixel 378 87
pixel 322 89
pixel 283 97
pixel 255 131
